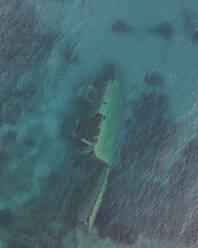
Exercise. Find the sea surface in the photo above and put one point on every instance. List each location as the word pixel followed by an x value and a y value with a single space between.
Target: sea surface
pixel 48 50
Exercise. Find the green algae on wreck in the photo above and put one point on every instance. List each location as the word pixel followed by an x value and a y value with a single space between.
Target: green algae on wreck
pixel 94 132
pixel 106 145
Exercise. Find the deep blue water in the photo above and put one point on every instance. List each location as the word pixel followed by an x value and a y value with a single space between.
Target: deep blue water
pixel 48 49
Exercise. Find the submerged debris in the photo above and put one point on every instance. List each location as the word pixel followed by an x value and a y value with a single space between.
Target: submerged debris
pixel 164 30
pixel 108 72
pixel 121 27
pixel 154 79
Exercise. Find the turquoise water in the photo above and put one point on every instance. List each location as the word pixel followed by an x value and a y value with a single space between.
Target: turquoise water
pixel 48 49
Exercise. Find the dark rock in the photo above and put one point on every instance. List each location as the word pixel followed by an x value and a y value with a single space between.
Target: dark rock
pixel 164 30
pixel 121 27
pixel 108 72
pixel 154 79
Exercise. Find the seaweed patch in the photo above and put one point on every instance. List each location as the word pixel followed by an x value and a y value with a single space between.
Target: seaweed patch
pixel 163 30
pixel 121 27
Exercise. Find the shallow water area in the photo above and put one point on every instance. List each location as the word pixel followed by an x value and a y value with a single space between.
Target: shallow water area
pixel 57 59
